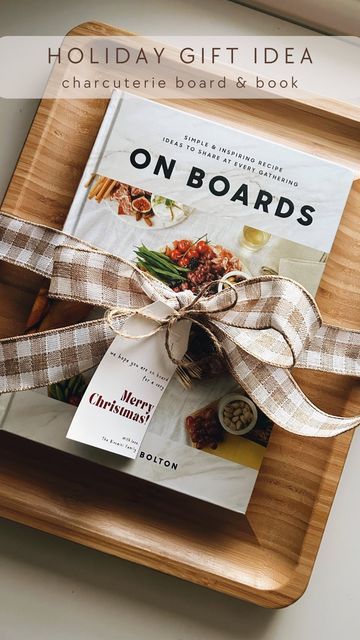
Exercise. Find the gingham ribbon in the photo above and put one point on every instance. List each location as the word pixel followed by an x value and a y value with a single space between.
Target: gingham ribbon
pixel 274 326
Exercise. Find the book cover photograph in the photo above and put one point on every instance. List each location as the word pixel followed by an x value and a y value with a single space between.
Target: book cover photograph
pixel 199 206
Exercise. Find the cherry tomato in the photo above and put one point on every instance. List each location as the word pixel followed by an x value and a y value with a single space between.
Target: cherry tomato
pixel 184 261
pixel 192 253
pixel 175 255
pixel 183 245
pixel 203 247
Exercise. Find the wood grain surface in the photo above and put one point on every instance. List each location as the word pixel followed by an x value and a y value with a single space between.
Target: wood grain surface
pixel 267 556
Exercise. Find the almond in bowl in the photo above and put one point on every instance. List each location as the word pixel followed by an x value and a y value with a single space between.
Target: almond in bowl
pixel 237 414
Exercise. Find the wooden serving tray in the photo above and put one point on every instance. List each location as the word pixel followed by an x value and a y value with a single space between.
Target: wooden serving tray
pixel 267 556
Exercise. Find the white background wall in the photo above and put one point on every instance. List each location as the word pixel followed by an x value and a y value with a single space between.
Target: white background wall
pixel 329 16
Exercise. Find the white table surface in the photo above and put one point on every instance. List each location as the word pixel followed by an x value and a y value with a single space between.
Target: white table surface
pixel 52 589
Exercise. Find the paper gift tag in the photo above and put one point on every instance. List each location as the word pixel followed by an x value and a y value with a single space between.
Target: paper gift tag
pixel 127 386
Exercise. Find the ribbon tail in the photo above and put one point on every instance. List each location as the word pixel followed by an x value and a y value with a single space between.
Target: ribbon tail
pixel 39 359
pixel 31 245
pixel 333 350
pixel 276 392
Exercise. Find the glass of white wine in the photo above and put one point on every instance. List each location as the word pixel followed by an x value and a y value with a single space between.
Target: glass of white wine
pixel 254 239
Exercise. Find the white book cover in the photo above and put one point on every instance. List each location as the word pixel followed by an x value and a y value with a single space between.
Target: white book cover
pixel 213 202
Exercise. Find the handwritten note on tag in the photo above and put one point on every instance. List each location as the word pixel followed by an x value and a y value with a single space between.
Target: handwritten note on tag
pixel 127 386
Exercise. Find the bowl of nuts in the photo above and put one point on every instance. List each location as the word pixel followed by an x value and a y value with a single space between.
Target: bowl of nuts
pixel 237 414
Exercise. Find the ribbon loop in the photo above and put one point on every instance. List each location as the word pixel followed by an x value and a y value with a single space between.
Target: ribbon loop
pixel 274 319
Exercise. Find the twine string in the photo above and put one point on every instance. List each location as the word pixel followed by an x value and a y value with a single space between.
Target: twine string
pixel 187 312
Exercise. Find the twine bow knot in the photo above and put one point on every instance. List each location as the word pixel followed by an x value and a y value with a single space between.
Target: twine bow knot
pixel 263 326
pixel 188 307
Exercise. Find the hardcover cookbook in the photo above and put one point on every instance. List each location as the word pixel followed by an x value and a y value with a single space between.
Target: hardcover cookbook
pixel 193 203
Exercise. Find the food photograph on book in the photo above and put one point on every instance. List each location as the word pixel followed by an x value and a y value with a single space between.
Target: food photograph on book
pixel 199 207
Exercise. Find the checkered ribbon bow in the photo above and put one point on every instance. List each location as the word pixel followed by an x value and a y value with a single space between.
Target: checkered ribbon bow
pixel 274 326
